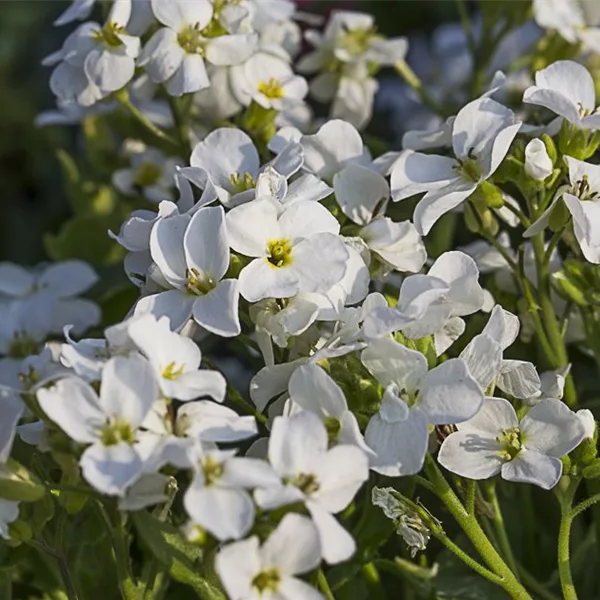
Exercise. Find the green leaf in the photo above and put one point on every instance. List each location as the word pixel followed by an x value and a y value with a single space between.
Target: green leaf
pixel 86 238
pixel 181 558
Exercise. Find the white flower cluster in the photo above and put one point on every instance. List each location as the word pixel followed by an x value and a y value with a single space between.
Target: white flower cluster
pixel 284 239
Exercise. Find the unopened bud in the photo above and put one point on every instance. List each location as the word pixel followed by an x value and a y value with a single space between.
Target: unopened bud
pixel 538 164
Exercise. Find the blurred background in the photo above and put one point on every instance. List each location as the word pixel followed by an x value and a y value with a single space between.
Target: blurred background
pixel 34 201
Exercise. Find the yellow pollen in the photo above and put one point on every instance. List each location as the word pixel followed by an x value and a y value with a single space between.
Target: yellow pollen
pixel 271 89
pixel 172 371
pixel 279 253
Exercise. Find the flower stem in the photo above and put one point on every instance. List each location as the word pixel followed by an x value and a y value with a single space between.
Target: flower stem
pixel 468 523
pixel 373 579
pixel 324 585
pixel 125 101
pixel 498 522
pixel 564 539
pixel 411 78
pixel 584 505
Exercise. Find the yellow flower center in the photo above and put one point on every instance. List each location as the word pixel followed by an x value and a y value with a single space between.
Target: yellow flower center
pixel 307 483
pixel 357 41
pixel 279 253
pixel 192 40
pixel 267 581
pixel 117 431
pixel 272 89
pixel 199 283
pixel 511 441
pixel 172 371
pixel 109 35
pixel 242 183
pixel 212 470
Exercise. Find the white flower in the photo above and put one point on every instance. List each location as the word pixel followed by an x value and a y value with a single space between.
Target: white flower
pixel 567 89
pixel 150 489
pixel 396 244
pixel 582 199
pixel 586 418
pixel 414 398
pixel 537 162
pixel 273 186
pixel 228 159
pixel 107 422
pixel 296 251
pixel 151 173
pixel 326 480
pixel 313 390
pixel 217 499
pixel 175 54
pixel 49 292
pixel 483 356
pixel 482 133
pixel 192 254
pixel 175 360
pixel 575 20
pixel 494 441
pixel 253 571
pixel 12 408
pixel 428 302
pixel 269 81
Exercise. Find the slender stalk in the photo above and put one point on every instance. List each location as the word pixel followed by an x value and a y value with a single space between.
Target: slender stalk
pixel 564 539
pixel 584 505
pixel 373 579
pixel 324 585
pixel 560 357
pixel 411 78
pixel 475 533
pixel 463 13
pixel 498 522
pixel 470 496
pixel 535 586
pixel 142 119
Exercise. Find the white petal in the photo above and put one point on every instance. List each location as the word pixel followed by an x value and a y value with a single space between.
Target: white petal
pixel 438 202
pixel 530 466
pixel 293 546
pixel 205 242
pixel 73 405
pixel 250 227
pixel 519 378
pixel 166 248
pixel 128 388
pixel 226 152
pixel 260 279
pixel 248 473
pixel 538 164
pixel 449 394
pixel 340 473
pixel 178 13
pixel 400 446
pixel 190 77
pixel 305 219
pixel 271 381
pixel 391 362
pixel 237 565
pixel 414 173
pixel 227 50
pixel 471 454
pixel 296 443
pixel 337 545
pixel 15 280
pixel 214 423
pixel 494 416
pixel 217 311
pixel 68 278
pixel 174 304
pixel 162 55
pixel 111 469
pixel 225 513
pixel 312 389
pixel 110 71
pixel 551 428
pixel 291 588
pixel 483 356
pixel 359 191
pixel 502 326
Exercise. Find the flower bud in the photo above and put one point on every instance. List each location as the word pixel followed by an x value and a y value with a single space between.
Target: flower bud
pixel 538 164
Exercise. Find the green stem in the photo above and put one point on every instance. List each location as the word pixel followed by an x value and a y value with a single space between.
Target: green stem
pixel 373 579
pixel 472 529
pixel 465 21
pixel 584 505
pixel 142 119
pixel 324 585
pixel 564 539
pixel 559 358
pixel 535 586
pixel 411 78
pixel 500 528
